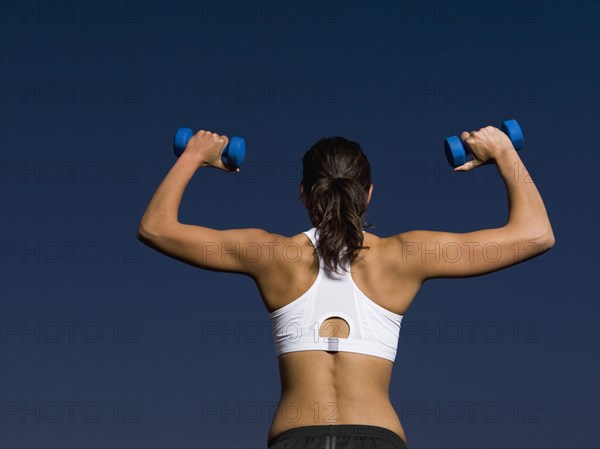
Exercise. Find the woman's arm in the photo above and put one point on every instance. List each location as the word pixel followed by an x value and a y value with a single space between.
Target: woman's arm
pixel 163 209
pixel 243 251
pixel 527 233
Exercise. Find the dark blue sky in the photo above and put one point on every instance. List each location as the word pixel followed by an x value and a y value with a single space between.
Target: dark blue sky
pixel 106 343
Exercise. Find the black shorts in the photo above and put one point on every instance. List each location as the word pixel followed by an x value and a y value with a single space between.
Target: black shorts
pixel 342 436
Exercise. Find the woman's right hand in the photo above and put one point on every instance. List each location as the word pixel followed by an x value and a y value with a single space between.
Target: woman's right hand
pixel 485 145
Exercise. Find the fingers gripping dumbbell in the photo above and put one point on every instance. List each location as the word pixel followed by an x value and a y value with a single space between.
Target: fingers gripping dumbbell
pixel 233 154
pixel 457 154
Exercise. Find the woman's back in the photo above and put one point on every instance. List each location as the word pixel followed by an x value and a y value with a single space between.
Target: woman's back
pixel 324 388
pixel 338 386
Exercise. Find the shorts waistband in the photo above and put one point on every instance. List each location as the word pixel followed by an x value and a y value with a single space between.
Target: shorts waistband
pixel 340 429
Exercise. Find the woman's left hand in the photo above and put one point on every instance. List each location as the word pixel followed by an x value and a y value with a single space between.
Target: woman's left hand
pixel 206 148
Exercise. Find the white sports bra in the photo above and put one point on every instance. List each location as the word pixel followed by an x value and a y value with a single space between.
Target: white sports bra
pixel 374 330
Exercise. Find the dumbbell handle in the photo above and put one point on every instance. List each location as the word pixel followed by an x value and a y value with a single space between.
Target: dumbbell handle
pixel 233 154
pixel 456 153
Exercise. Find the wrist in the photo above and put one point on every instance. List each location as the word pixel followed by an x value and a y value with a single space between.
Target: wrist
pixel 192 159
pixel 510 166
pixel 505 156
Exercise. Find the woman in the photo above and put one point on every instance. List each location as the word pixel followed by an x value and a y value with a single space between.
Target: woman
pixel 338 301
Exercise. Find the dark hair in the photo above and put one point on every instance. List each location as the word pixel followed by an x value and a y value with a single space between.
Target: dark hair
pixel 336 179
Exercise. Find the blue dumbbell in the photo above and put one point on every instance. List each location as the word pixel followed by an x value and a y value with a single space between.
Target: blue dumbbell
pixel 233 154
pixel 457 154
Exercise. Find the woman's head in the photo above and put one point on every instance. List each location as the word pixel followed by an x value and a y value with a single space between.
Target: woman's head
pixel 336 189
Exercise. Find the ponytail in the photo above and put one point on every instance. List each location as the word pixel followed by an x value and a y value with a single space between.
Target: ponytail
pixel 336 182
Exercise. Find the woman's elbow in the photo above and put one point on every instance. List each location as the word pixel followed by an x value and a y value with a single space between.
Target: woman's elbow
pixel 546 240
pixel 140 234
pixel 551 240
pixel 538 238
pixel 145 233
